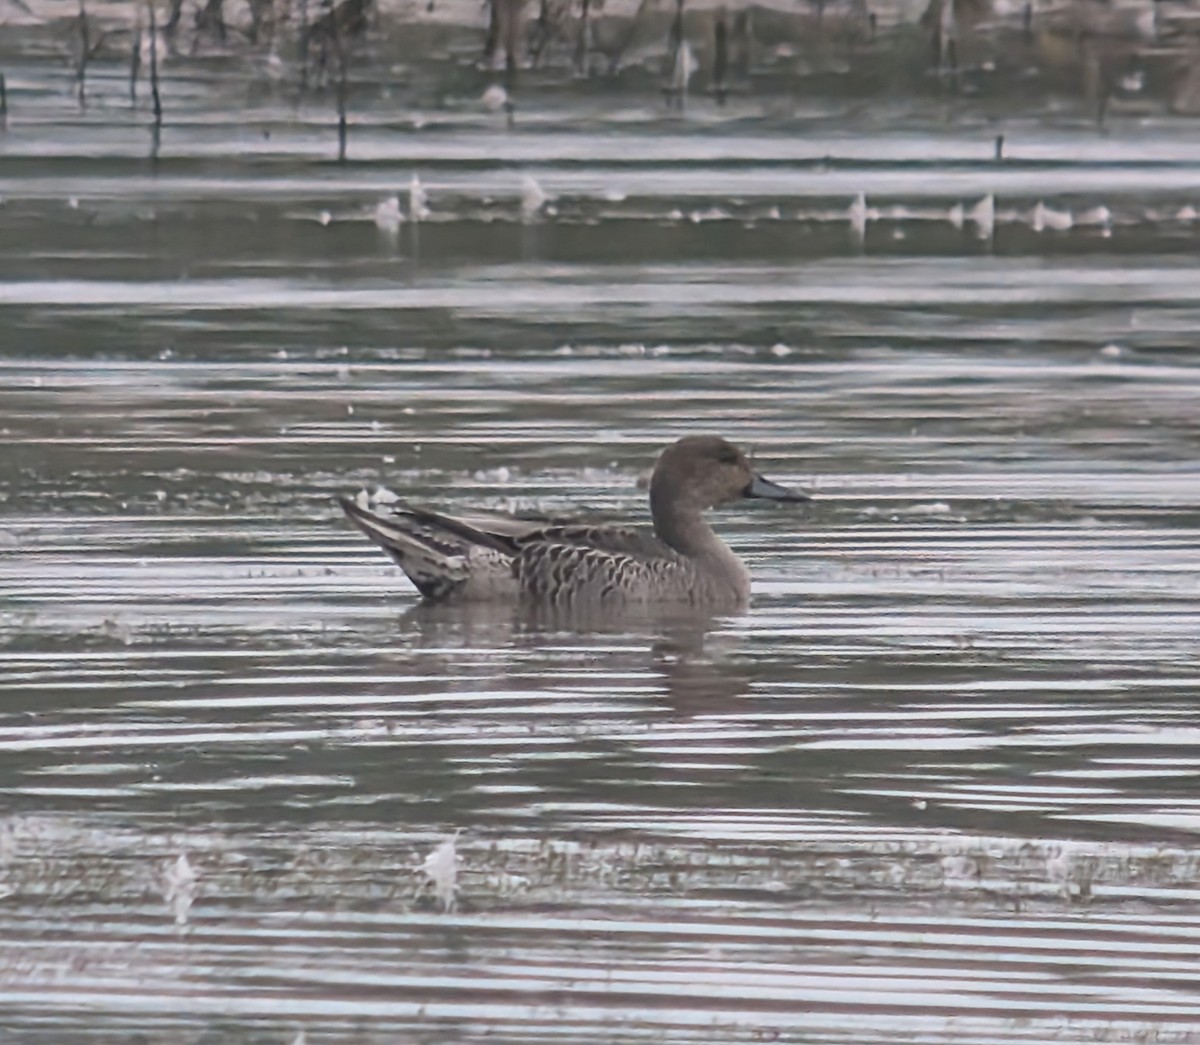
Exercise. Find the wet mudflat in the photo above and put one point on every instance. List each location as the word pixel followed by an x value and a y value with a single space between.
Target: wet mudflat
pixel 938 784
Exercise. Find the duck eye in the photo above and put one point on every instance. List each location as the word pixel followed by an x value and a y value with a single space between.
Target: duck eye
pixel 728 455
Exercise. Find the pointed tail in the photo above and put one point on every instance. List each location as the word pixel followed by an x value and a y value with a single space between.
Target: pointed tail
pixel 435 563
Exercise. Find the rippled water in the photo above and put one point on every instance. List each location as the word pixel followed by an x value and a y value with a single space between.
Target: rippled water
pixel 940 782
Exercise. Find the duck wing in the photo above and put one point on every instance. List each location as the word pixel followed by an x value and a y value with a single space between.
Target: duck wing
pixel 580 563
pixel 484 555
pixel 503 525
pixel 636 542
pixel 515 534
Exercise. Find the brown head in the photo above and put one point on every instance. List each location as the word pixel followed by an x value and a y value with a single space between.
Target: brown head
pixel 702 471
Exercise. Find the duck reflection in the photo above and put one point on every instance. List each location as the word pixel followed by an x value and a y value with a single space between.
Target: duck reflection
pixel 682 653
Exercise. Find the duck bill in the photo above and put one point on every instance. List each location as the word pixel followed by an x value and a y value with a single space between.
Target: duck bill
pixel 760 486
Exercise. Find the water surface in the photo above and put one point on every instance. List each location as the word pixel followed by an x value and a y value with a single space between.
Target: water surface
pixel 939 783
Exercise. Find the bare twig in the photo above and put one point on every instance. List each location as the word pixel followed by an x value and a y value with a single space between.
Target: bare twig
pixel 210 19
pixel 154 95
pixel 85 53
pixel 492 39
pixel 262 22
pixel 614 61
pixel 678 62
pixel 341 106
pixel 510 30
pixel 720 57
pixel 340 53
pixel 174 13
pixel 542 31
pixel 583 42
pixel 135 58
pixel 304 41
pixel 89 47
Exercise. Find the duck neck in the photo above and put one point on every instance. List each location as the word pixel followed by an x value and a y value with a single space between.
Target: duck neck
pixel 683 526
pixel 685 529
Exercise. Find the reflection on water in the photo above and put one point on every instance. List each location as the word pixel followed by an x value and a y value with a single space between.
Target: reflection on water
pixel 938 783
pixel 661 650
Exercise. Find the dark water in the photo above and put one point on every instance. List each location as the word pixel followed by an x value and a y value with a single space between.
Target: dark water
pixel 941 783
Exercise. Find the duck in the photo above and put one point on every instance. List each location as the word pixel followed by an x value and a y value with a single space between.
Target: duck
pixel 563 563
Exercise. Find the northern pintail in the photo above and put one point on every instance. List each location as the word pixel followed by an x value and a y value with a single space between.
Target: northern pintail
pixel 492 556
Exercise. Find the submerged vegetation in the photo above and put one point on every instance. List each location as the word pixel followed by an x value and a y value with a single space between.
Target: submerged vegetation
pixel 1086 57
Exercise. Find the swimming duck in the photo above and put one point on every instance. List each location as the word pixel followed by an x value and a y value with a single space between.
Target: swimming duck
pixel 492 556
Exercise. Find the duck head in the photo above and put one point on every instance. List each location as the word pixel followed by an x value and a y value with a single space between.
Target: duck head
pixel 703 471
